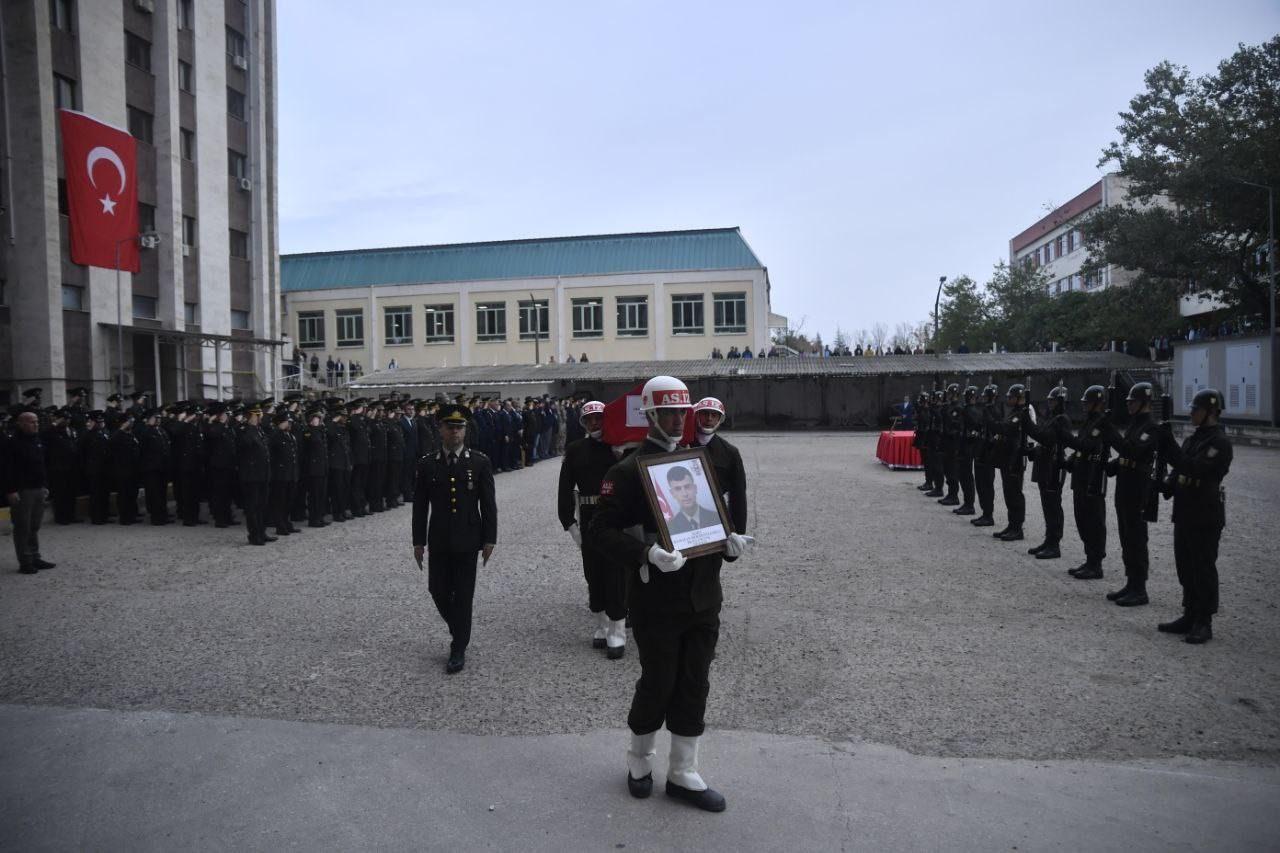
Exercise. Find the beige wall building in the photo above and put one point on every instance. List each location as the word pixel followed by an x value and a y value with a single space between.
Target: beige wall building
pixel 622 297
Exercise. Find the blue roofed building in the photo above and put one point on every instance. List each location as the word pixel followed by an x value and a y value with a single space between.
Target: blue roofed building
pixel 613 297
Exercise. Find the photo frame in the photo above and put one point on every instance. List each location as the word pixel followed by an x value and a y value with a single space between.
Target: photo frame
pixel 686 501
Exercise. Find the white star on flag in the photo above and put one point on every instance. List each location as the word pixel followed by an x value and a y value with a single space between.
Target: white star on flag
pixel 108 206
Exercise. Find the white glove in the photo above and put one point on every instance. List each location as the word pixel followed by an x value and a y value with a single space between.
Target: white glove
pixel 735 545
pixel 665 561
pixel 576 532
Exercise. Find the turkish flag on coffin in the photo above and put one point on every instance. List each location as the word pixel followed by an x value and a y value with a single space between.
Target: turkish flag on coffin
pixel 102 191
pixel 624 423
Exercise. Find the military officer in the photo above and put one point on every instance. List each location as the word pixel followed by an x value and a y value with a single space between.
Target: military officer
pixel 59 440
pixel 937 456
pixel 315 467
pixel 1047 471
pixel 1199 466
pixel 154 464
pixel 220 449
pixel 357 429
pixel 191 464
pixel 125 456
pixel 375 484
pixel 1136 447
pixel 339 458
pixel 253 458
pixel 1013 462
pixel 1088 484
pixel 283 445
pixel 455 520
pixel 95 454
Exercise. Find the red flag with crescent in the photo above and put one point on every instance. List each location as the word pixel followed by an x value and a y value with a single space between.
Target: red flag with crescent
pixel 102 191
pixel 624 423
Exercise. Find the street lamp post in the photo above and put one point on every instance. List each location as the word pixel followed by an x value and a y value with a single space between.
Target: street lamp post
pixel 1271 293
pixel 942 279
pixel 148 240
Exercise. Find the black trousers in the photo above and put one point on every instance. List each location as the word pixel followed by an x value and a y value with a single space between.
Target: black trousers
pixel 927 464
pixel 190 496
pixel 1133 538
pixel 127 499
pixel 99 498
pixel 25 516
pixel 451 580
pixel 1051 504
pixel 1091 524
pixel 157 496
pixel 281 501
pixel 675 668
pixel 984 483
pixel 374 487
pixel 298 508
pixel 62 491
pixel 220 480
pixel 1195 553
pixel 606 584
pixel 317 499
pixel 950 470
pixel 339 492
pixel 1015 503
pixel 964 473
pixel 254 501
pixel 357 501
pixel 392 482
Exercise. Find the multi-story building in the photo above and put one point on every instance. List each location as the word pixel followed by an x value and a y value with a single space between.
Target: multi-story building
pixel 1055 243
pixel 660 295
pixel 194 82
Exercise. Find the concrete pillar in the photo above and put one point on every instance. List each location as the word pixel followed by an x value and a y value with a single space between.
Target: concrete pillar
pixel 658 327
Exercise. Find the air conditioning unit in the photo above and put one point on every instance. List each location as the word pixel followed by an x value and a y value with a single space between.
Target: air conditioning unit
pixel 186 250
pixel 148 6
pixel 150 241
pixel 241 62
pixel 246 185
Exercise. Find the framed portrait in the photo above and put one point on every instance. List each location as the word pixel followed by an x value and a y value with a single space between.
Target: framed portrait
pixel 686 501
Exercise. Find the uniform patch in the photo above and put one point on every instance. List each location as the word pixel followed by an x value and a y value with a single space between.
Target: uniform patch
pixel 1213 451
pixel 1095 432
pixel 1143 436
pixel 606 488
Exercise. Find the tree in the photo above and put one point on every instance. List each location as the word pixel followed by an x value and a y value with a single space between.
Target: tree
pixel 879 332
pixel 793 336
pixel 963 315
pixel 1185 146
pixel 1019 299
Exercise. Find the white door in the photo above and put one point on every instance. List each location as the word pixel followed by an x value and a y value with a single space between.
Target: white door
pixel 1244 371
pixel 1195 374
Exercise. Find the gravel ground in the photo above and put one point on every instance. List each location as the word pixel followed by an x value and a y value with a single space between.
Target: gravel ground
pixel 866 612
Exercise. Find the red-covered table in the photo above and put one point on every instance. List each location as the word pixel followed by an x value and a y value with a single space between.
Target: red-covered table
pixel 894 449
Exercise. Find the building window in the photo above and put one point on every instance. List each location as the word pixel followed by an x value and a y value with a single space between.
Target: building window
pixel 240 319
pixel 491 321
pixel 72 297
pixel 237 164
pixel 187 142
pixel 1071 242
pixel 185 17
pixel 235 103
pixel 185 81
pixel 140 124
pixel 239 243
pixel 731 313
pixel 350 327
pixel 188 230
pixel 398 324
pixel 235 44
pixel 137 51
pixel 60 15
pixel 439 324
pixel 146 217
pixel 535 322
pixel 191 313
pixel 633 316
pixel 144 307
pixel 64 93
pixel 588 318
pixel 310 329
pixel 686 314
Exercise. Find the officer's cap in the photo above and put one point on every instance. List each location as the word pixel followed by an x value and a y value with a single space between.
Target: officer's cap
pixel 78 392
pixel 138 395
pixel 33 392
pixel 114 398
pixel 453 413
pixel 280 417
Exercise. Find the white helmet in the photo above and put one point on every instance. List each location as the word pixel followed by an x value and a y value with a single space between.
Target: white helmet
pixel 709 404
pixel 595 407
pixel 664 392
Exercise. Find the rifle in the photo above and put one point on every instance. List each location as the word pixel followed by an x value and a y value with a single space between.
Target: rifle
pixel 1151 511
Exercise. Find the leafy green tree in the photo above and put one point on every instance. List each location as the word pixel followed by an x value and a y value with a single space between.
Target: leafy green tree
pixel 1019 299
pixel 964 315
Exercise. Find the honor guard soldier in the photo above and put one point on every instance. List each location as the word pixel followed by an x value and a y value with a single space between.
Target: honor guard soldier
pixel 1199 513
pixel 674 605
pixel 1013 462
pixel 253 458
pixel 586 461
pixel 1048 471
pixel 340 467
pixel 1136 447
pixel 191 464
pixel 357 429
pixel 920 441
pixel 968 441
pixel 455 520
pixel 952 427
pixel 283 445
pixel 154 464
pixel 1088 484
pixel 125 456
pixel 708 415
pixel 61 459
pixel 936 454
pixel 985 459
pixel 315 467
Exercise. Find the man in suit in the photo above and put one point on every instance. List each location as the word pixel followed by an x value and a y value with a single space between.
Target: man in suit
pixel 690 515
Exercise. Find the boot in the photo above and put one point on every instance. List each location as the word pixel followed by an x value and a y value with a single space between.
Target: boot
pixel 1117 594
pixel 1014 534
pixel 950 500
pixel 933 493
pixel 1135 597
pixel 1201 632
pixel 683 779
pixel 983 520
pixel 1038 548
pixel 1048 552
pixel 616 638
pixel 1182 625
pixel 1089 572
pixel 1078 569
pixel 1000 534
pixel 602 625
pixel 640 765
pixel 966 509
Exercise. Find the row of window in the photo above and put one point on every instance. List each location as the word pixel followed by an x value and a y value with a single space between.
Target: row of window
pixel 62 17
pixel 534 320
pixel 1076 281
pixel 147 308
pixel 1059 247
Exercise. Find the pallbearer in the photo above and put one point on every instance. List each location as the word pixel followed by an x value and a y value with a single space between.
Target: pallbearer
pixel 708 415
pixel 586 461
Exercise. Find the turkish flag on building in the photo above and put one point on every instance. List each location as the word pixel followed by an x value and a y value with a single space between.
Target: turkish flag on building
pixel 624 423
pixel 102 191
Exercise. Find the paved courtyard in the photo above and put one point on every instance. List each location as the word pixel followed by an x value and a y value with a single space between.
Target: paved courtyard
pixel 874 647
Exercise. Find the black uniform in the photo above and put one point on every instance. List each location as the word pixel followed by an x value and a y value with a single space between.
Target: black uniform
pixel 220 447
pixel 675 616
pixel 968 441
pixel 315 472
pixel 61 466
pixel 936 457
pixel 920 441
pixel 988 459
pixel 1013 464
pixel 284 478
pixel 191 468
pixel 1199 514
pixel 339 446
pixel 732 478
pixel 1048 472
pixel 586 461
pixel 1136 447
pixel 125 456
pixel 1088 488
pixel 154 464
pixel 455 514
pixel 952 425
pixel 253 458
pixel 95 453
pixel 376 485
pixel 392 481
pixel 357 430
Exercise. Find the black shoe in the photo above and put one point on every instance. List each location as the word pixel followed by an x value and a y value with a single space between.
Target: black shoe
pixel 950 500
pixel 1014 535
pixel 708 800
pixel 598 643
pixel 1134 598
pixel 983 521
pixel 27 570
pixel 1049 552
pixel 933 493
pixel 1038 548
pixel 220 525
pixel 44 564
pixel 616 652
pixel 640 788
pixel 1201 632
pixel 457 660
pixel 269 538
pixel 1117 594
pixel 280 532
pixel 1088 573
pixel 1078 569
pixel 927 487
pixel 318 524
pixel 1182 625
pixel 257 542
pixel 967 509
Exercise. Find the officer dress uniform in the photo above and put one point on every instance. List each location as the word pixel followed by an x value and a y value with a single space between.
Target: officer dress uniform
pixel 1136 447
pixel 95 451
pixel 220 445
pixel 1088 493
pixel 455 515
pixel 60 465
pixel 284 479
pixel 154 463
pixel 357 430
pixel 375 485
pixel 253 458
pixel 339 447
pixel 191 468
pixel 315 471
pixel 125 456
pixel 392 485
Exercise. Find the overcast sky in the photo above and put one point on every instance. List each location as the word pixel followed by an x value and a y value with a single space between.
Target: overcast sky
pixel 864 149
